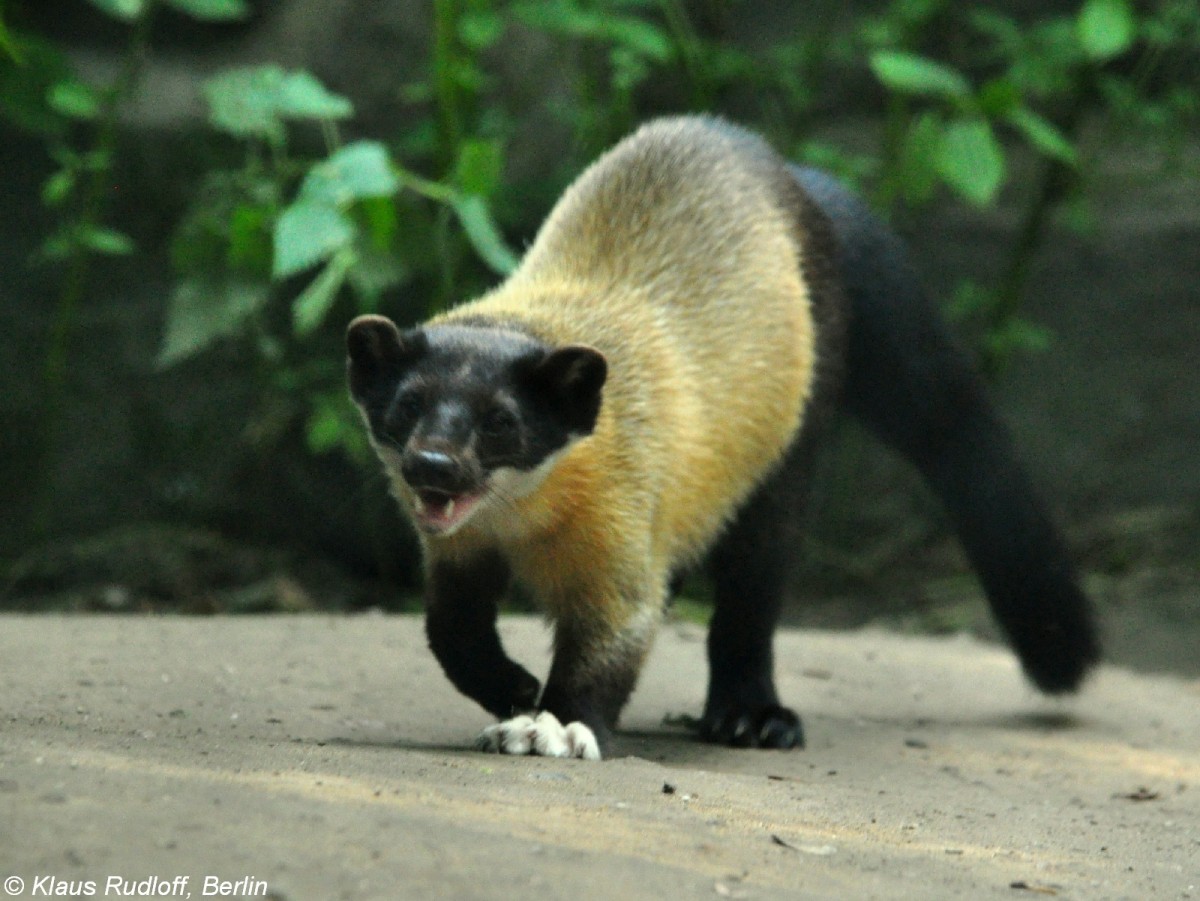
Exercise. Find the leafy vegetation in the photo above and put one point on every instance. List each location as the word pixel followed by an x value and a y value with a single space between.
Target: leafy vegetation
pixel 304 227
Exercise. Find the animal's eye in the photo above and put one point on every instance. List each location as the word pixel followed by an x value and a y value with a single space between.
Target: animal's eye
pixel 498 421
pixel 408 407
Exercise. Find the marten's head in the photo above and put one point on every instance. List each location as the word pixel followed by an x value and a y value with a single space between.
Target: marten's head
pixel 465 417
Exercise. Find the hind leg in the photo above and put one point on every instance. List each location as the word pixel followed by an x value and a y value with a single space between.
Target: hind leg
pixel 749 569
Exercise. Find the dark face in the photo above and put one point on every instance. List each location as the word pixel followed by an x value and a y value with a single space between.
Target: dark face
pixel 467 416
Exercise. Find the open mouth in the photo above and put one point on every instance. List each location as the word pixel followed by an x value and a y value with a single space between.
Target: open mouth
pixel 441 511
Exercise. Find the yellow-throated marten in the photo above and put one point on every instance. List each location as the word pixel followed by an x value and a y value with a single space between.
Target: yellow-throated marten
pixel 642 395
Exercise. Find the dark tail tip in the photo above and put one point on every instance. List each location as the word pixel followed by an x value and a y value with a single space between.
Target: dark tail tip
pixel 1053 631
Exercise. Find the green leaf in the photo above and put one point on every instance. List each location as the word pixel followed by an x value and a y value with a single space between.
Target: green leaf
pixel 415 92
pixel 58 187
pixel 381 221
pixel 373 273
pixel 127 10
pixel 912 74
pixel 249 247
pixel 365 168
pixel 7 44
pixel 852 169
pixel 969 299
pixel 1005 32
pixel 1043 135
pixel 325 429
pixel 479 166
pixel 567 19
pixel 254 102
pixel 628 69
pixel 1106 28
pixel 971 161
pixel 201 311
pixel 306 233
pixel 310 308
pixel 1078 214
pixel 95 160
pixel 74 99
pixel 918 162
pixel 25 85
pixel 58 246
pixel 243 102
pixel 334 423
pixel 481 231
pixel 302 96
pixel 106 240
pixel 637 36
pixel 480 30
pixel 999 97
pixel 212 10
pixel 1016 336
pixel 354 172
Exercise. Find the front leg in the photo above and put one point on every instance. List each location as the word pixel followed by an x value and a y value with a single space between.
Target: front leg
pixel 460 621
pixel 596 665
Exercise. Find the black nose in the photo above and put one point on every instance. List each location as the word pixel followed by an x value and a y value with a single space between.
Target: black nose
pixel 432 469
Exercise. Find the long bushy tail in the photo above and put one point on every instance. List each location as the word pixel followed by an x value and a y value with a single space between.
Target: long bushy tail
pixel 909 382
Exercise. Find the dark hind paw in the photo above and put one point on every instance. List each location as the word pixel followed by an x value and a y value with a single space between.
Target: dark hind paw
pixel 771 726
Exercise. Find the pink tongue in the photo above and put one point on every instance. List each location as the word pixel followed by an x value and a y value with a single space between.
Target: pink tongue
pixel 437 506
pixel 443 509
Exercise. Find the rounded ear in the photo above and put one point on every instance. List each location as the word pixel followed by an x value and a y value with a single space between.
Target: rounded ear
pixel 572 377
pixel 377 349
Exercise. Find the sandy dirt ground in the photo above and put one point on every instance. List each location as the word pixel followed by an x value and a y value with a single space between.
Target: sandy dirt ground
pixel 326 757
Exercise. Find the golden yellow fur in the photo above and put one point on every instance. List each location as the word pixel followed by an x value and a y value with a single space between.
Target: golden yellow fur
pixel 673 256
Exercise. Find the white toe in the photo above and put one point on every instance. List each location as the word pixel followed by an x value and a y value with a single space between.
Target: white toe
pixel 514 736
pixel 582 742
pixel 549 736
pixel 544 736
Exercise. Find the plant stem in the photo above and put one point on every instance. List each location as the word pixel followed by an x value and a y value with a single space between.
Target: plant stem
pixel 888 190
pixel 432 190
pixel 1056 180
pixel 692 61
pixel 449 115
pixel 75 280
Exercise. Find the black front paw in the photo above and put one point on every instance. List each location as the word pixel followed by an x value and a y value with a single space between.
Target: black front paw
pixel 511 691
pixel 526 689
pixel 769 726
